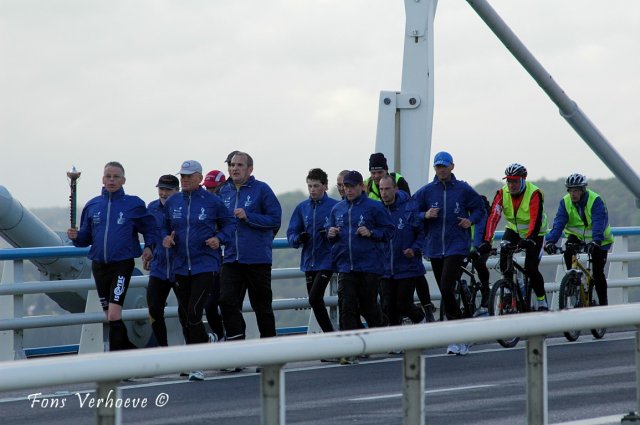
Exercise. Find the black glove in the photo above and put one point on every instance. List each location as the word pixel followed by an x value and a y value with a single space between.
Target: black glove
pixel 550 248
pixel 591 247
pixel 484 248
pixel 304 237
pixel 526 243
pixel 474 255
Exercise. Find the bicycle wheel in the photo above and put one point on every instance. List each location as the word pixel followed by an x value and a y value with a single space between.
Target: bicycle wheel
pixel 462 296
pixel 503 302
pixel 594 301
pixel 570 298
pixel 468 299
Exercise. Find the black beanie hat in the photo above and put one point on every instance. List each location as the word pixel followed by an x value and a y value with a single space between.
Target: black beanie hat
pixel 377 161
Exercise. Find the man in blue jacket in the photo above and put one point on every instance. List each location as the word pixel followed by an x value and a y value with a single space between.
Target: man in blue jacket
pixel 196 224
pixel 110 223
pixel 248 255
pixel 161 277
pixel 448 207
pixel 307 230
pixel 403 257
pixel 358 228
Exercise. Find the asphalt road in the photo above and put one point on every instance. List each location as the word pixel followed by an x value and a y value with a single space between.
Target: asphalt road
pixel 587 379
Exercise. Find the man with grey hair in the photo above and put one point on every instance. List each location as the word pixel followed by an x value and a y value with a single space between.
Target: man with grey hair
pixel 196 224
pixel 248 255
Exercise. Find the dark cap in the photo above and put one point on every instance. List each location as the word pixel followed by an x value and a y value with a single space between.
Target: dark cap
pixel 377 161
pixel 230 156
pixel 168 182
pixel 214 178
pixel 352 178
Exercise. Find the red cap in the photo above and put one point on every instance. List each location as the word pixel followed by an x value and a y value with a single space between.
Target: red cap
pixel 214 178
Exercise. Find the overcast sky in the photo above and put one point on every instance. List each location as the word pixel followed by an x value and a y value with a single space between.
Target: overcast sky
pixel 296 84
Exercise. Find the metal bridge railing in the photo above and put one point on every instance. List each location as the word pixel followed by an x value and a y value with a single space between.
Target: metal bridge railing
pixel 108 369
pixel 13 320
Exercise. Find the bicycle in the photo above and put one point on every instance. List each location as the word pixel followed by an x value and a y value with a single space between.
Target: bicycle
pixel 468 293
pixel 502 301
pixel 577 287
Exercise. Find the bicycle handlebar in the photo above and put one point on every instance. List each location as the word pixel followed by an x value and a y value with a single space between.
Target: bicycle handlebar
pixel 576 247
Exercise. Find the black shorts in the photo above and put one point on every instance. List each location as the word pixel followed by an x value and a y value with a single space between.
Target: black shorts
pixel 112 281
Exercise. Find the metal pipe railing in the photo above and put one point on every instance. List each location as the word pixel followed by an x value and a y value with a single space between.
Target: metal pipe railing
pixel 273 353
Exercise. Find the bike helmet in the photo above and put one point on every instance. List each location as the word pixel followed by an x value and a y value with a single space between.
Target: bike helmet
pixel 576 180
pixel 515 170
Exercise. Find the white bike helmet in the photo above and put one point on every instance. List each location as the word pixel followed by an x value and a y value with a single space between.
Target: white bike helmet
pixel 515 170
pixel 576 180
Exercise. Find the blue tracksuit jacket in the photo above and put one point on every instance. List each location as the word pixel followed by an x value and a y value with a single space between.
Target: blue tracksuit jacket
pixel 456 199
pixel 195 217
pixel 110 223
pixel 409 234
pixel 312 217
pixel 250 241
pixel 351 252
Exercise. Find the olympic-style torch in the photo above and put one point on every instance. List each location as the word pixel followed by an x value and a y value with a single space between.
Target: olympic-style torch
pixel 73 175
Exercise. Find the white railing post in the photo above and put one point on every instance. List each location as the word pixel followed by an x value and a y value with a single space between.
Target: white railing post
pixel 107 413
pixel 92 337
pixel 619 270
pixel 11 307
pixel 537 403
pixel 637 368
pixel 272 394
pixel 18 311
pixel 413 388
pixel 633 416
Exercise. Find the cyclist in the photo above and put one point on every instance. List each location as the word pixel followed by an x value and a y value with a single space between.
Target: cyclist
pixel 522 203
pixel 583 216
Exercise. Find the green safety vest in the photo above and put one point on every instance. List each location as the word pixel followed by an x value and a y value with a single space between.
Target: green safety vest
pixel 373 189
pixel 520 222
pixel 577 226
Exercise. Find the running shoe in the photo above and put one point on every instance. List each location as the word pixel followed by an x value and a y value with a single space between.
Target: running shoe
pixel 196 375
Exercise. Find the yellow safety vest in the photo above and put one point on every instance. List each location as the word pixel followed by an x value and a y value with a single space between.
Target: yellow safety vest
pixel 373 190
pixel 576 226
pixel 520 222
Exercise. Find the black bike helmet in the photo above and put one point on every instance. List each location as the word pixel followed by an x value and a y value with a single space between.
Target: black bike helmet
pixel 576 180
pixel 515 170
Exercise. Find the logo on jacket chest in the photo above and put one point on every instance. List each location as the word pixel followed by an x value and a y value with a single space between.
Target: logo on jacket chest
pixel 340 220
pixel 248 202
pixel 176 213
pixel 361 221
pixel 120 219
pixel 203 215
pixel 96 218
pixel 401 224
